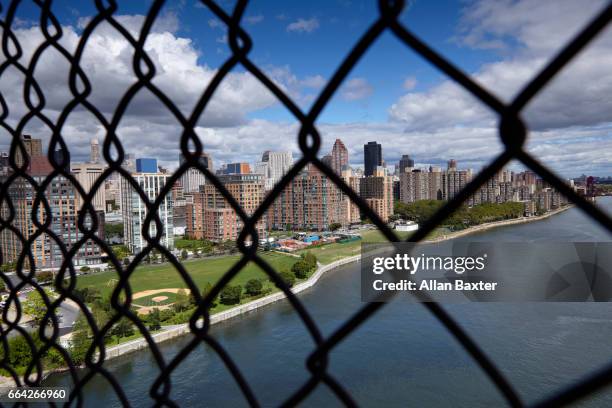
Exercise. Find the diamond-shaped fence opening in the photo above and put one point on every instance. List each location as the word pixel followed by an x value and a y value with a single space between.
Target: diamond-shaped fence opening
pixel 32 234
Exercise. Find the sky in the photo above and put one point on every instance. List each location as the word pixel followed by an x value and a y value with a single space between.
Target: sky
pixel 392 95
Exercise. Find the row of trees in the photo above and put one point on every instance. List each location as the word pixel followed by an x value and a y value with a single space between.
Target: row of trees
pixel 464 217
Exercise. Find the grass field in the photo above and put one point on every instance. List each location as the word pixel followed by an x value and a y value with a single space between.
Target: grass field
pixel 201 271
pixel 332 252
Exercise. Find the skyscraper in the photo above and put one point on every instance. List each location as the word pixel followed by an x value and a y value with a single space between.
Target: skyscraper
pixel 86 174
pixel 404 163
pixel 372 157
pixel 33 148
pixel 339 156
pixel 134 210
pixel 278 164
pixel 377 190
pixel 194 178
pixel 310 202
pixel 94 154
pixel 61 196
pixel 210 215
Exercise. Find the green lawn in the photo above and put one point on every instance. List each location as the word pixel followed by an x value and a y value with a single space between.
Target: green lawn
pixel 201 271
pixel 332 252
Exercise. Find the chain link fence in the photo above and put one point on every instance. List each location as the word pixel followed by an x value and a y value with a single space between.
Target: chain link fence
pixel 512 133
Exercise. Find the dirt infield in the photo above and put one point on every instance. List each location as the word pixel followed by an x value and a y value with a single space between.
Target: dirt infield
pixel 144 293
pixel 159 298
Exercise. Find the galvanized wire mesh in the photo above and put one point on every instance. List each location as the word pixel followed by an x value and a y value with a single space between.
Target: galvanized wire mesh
pixel 512 132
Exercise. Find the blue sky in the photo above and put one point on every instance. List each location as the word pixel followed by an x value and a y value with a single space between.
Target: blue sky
pixel 392 95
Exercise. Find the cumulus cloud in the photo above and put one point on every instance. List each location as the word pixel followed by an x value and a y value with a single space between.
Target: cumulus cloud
pixel 541 29
pixel 530 32
pixel 356 89
pixel 147 126
pixel 303 25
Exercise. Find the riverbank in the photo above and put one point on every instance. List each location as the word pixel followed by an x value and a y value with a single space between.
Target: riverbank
pixel 497 224
pixel 179 330
pixel 174 331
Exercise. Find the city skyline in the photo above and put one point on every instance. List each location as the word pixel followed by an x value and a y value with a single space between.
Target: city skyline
pixel 404 105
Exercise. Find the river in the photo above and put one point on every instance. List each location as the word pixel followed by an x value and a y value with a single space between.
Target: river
pixel 400 357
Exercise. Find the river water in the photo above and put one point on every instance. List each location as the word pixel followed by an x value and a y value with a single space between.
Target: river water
pixel 400 357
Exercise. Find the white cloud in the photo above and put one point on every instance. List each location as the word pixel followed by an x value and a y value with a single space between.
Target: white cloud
pixel 252 20
pixel 147 126
pixel 304 26
pixel 531 32
pixel 355 89
pixel 214 23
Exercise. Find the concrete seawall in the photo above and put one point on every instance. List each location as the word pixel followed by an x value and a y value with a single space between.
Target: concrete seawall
pixel 170 332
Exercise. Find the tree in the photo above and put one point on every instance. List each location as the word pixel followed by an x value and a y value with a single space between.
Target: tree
pixel 34 305
pixel 123 328
pixel 88 294
pixel 113 230
pixel 2 286
pixel 80 340
pixel 288 278
pixel 310 260
pixel 44 276
pixel 181 302
pixel 253 287
pixel 335 226
pixel 300 269
pixel 120 251
pixel 154 319
pixel 207 289
pixel 184 254
pixel 126 261
pixel 231 294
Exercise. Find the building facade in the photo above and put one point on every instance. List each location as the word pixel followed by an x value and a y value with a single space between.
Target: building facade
pixel 87 174
pixel 134 211
pixel 339 156
pixel 310 202
pixel 372 158
pixel 64 210
pixel 377 191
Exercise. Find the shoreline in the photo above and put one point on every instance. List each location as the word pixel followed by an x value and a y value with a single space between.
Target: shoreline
pixel 179 330
pixel 175 331
pixel 497 224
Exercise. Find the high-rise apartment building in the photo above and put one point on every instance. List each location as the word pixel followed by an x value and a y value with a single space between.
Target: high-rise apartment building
pixel 455 180
pixel 134 210
pixel 310 202
pixel 87 174
pixel 377 191
pixel 210 215
pixel 419 184
pixel 273 166
pixel 62 199
pixel 339 156
pixel 94 153
pixel 353 214
pixel 372 157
